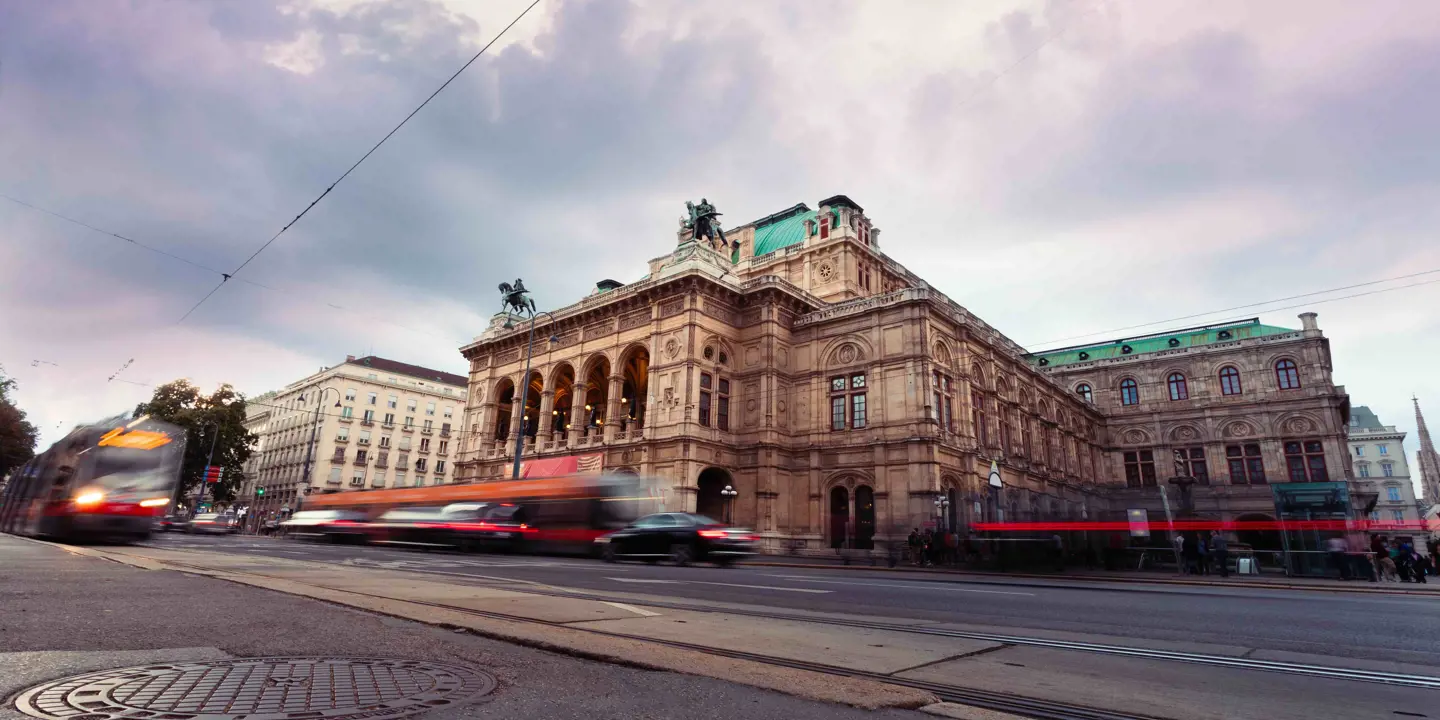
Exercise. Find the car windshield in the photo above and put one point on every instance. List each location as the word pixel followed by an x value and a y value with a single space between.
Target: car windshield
pixel 703 520
pixel 128 470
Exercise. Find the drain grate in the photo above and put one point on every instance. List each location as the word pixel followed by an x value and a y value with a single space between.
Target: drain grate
pixel 285 688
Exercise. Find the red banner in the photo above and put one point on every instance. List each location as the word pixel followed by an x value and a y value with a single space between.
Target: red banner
pixel 590 464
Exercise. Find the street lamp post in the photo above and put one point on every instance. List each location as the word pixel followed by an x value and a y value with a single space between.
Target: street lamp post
pixel 517 298
pixel 729 494
pixel 205 480
pixel 942 503
pixel 315 429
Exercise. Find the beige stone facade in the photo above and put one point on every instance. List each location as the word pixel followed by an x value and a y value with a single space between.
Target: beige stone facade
pixel 396 425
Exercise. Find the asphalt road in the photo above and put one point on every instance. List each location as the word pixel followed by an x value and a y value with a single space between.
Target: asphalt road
pixel 51 600
pixel 1343 625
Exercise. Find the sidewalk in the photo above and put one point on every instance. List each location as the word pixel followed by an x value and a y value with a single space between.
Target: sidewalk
pixel 1270 580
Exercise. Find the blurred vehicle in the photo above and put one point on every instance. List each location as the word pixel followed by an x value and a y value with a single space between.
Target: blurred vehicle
pixel 173 522
pixel 681 537
pixel 334 525
pixel 269 527
pixel 561 514
pixel 214 524
pixel 109 480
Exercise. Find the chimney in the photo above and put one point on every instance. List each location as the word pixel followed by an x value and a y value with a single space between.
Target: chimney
pixel 1307 321
pixel 349 358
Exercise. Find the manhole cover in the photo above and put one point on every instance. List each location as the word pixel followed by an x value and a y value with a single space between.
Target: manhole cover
pixel 258 689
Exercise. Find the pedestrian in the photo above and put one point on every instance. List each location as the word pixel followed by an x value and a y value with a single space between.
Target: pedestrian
pixel 1421 566
pixel 1378 554
pixel 952 547
pixel 927 547
pixel 913 543
pixel 1400 554
pixel 1179 542
pixel 1336 547
pixel 1058 550
pixel 1204 554
pixel 1191 552
pixel 1220 552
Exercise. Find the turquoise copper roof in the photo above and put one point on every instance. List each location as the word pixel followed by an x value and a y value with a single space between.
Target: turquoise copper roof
pixel 784 229
pixel 1191 337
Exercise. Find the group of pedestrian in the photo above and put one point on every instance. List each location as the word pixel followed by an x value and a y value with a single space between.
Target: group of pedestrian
pixel 1202 554
pixel 1397 560
pixel 937 547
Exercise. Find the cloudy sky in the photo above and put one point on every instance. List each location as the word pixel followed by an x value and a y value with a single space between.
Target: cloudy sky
pixel 1060 168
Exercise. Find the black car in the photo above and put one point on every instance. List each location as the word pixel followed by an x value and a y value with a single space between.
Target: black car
pixel 682 537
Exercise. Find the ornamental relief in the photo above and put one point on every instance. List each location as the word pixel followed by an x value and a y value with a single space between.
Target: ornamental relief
pixel 1135 436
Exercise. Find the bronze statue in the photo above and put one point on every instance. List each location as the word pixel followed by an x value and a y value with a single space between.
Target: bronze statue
pixel 704 223
pixel 515 298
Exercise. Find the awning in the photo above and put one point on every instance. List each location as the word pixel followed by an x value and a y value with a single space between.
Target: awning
pixel 590 464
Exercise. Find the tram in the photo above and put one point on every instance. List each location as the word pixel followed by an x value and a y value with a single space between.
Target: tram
pixel 108 481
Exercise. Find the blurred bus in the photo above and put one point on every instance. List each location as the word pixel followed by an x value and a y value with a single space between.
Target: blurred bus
pixel 544 515
pixel 111 480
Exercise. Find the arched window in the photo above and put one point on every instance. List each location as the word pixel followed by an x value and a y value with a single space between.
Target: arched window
pixel 1178 389
pixel 1229 381
pixel 1287 376
pixel 1083 390
pixel 1129 392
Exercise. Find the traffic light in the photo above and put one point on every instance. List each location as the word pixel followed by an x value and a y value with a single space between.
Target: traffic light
pixel 213 473
pixel 259 491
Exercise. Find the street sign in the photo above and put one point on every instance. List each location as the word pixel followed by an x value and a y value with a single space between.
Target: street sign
pixel 1139 523
pixel 995 475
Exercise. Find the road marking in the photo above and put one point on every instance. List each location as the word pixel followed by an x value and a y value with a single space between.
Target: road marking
pixel 638 611
pixel 896 585
pixel 649 582
pixel 762 587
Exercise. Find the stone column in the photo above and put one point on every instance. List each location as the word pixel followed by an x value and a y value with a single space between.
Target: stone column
pixel 517 414
pixel 577 411
pixel 612 407
pixel 547 402
pixel 488 418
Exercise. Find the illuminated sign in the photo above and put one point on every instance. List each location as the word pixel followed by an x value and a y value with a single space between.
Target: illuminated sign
pixel 137 439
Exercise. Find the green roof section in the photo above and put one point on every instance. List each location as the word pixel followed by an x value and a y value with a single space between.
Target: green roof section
pixel 1192 337
pixel 784 229
pixel 1363 418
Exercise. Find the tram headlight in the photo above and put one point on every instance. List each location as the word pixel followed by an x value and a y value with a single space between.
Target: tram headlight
pixel 89 497
pixel 154 502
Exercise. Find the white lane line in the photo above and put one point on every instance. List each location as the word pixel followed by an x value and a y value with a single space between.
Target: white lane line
pixel 765 587
pixel 638 611
pixel 896 585
pixel 639 580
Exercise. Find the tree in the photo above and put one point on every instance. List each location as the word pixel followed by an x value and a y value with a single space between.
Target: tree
pixel 219 416
pixel 17 435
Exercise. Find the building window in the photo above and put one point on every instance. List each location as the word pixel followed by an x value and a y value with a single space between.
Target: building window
pixel 389 419
pixel 374 398
pixel 409 423
pixel 439 467
pixel 392 402
pixel 361 456
pixel 1397 515
pixel 429 426
pixel 1191 463
pixel 1382 449
pixel 977 416
pixel 334 475
pixel 847 392
pixel 410 405
pixel 1246 464
pixel 358 478
pixel 364 437
pixel 1392 494
pixel 1229 381
pixel 368 417
pixel 1085 393
pixel 342 434
pixel 339 455
pixel 1287 376
pixel 383 459
pixel 347 412
pixel 1364 470
pixel 444 447
pixel 403 462
pixel 1359 451
pixel 405 442
pixel 944 402
pixel 349 394
pixel 1129 392
pixel 424 444
pixel 420 464
pixel 429 408
pixel 1387 469
pixel 1305 460
pixel 1140 468
pixel 707 383
pixel 722 405
pixel 1178 389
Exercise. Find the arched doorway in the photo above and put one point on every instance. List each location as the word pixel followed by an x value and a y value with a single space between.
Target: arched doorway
pixel 1260 540
pixel 636 371
pixel 564 383
pixel 708 500
pixel 956 510
pixel 864 518
pixel 839 516
pixel 533 388
pixel 597 394
pixel 504 408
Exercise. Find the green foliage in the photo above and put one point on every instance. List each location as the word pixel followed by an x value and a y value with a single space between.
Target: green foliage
pixel 220 417
pixel 17 435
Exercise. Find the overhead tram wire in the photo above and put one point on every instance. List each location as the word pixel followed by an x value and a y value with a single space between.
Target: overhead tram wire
pixel 1269 302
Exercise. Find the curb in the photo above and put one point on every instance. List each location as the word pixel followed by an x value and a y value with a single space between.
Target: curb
pixel 998 579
